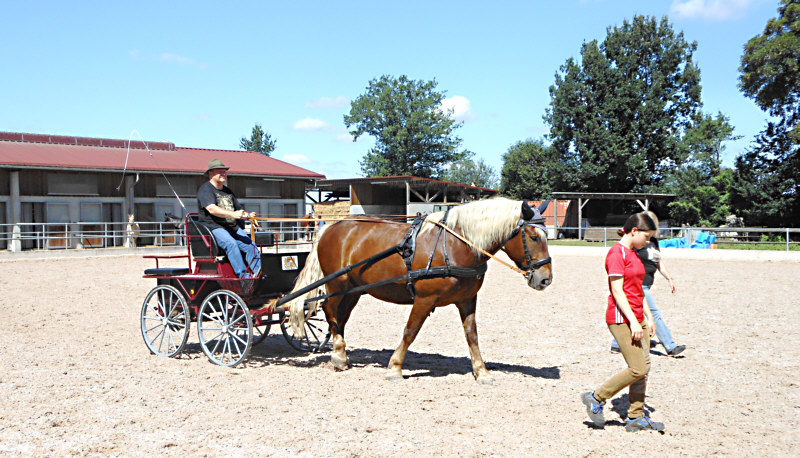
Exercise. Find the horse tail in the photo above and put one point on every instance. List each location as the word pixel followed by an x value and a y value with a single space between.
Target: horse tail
pixel 310 273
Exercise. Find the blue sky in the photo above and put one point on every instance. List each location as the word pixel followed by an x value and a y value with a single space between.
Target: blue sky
pixel 201 74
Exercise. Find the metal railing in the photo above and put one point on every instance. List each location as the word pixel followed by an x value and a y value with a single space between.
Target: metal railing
pixel 787 239
pixel 64 236
pixel 83 235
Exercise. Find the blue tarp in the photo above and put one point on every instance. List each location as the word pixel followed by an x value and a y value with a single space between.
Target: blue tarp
pixel 703 240
pixel 676 242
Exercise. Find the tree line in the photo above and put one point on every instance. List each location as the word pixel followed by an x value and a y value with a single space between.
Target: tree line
pixel 625 117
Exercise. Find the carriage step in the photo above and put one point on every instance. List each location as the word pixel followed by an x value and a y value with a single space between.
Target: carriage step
pixel 166 271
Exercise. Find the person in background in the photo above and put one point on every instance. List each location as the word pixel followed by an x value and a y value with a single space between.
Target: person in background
pixel 650 255
pixel 221 212
pixel 631 324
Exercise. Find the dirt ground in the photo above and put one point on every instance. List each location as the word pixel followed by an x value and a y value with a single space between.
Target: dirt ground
pixel 77 378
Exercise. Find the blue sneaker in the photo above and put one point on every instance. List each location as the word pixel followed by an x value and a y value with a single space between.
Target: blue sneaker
pixel 643 424
pixel 594 408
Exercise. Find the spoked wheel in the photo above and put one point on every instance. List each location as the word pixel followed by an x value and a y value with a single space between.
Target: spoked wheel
pixel 317 334
pixel 225 328
pixel 260 333
pixel 165 321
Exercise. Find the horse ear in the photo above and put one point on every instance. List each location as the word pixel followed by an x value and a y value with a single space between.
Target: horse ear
pixel 527 211
pixel 543 206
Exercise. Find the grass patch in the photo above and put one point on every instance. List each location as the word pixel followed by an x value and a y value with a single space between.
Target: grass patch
pixel 765 246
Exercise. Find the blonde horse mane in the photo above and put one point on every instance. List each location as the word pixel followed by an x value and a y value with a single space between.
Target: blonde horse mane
pixel 483 222
pixel 310 273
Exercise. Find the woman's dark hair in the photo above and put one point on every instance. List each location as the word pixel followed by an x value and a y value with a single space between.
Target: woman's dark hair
pixel 640 221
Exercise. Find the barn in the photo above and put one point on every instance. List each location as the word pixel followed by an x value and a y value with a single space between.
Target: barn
pixel 56 189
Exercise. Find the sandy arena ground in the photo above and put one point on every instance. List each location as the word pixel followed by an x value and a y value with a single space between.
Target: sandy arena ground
pixel 77 378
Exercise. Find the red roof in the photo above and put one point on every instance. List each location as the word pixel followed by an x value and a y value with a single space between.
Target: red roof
pixel 102 154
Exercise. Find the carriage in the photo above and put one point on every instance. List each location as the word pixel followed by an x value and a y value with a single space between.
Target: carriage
pixel 231 314
pixel 430 262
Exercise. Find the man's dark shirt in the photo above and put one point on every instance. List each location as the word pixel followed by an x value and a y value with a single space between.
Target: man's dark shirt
pixel 207 194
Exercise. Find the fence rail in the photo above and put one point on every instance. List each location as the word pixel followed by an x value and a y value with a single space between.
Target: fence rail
pixel 65 236
pixel 743 237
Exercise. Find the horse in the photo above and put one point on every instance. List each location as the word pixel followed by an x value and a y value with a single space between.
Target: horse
pixel 307 226
pixel 132 231
pixel 461 238
pixel 176 221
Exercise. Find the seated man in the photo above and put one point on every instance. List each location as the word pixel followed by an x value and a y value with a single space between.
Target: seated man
pixel 223 214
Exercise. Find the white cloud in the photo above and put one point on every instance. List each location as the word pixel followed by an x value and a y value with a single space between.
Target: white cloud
pixel 296 159
pixel 328 102
pixel 715 10
pixel 460 106
pixel 168 57
pixel 180 60
pixel 344 138
pixel 309 125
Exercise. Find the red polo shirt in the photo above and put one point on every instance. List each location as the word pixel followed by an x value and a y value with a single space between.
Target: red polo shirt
pixel 624 262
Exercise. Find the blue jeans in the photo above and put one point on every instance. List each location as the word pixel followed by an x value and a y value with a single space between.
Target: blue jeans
pixel 234 245
pixel 662 331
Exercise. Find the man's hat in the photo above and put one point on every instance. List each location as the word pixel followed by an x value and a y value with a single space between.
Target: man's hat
pixel 216 164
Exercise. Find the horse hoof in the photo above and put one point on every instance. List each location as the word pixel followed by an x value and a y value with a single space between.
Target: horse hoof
pixel 339 364
pixel 394 377
pixel 487 380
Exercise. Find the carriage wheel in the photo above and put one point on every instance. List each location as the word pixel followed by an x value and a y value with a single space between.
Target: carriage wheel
pixel 165 321
pixel 260 333
pixel 225 328
pixel 317 334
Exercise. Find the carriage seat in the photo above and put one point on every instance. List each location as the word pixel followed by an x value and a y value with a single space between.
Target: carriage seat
pixel 167 271
pixel 265 238
pixel 201 241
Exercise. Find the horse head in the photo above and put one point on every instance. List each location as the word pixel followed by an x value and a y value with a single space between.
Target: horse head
pixel 527 247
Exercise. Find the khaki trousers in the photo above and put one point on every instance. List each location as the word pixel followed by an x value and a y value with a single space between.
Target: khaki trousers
pixel 637 356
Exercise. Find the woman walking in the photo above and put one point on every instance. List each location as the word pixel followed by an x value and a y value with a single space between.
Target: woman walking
pixel 650 255
pixel 631 324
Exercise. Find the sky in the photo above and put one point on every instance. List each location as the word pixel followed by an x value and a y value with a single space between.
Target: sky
pixel 202 74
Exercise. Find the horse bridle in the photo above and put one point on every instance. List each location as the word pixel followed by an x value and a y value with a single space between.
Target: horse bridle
pixel 530 265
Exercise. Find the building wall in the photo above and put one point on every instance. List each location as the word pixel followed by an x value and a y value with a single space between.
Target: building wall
pixel 376 194
pixel 57 197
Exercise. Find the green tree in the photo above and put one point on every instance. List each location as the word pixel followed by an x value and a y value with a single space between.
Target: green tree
pixel 617 117
pixel 766 183
pixel 412 135
pixel 259 141
pixel 701 202
pixel 702 187
pixel 466 171
pixel 532 170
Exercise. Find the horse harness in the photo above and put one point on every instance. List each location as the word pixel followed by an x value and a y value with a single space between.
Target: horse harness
pixel 407 249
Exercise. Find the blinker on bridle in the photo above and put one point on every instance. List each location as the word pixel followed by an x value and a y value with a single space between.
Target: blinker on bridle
pixel 530 217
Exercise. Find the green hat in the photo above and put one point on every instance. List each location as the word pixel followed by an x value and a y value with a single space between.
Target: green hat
pixel 216 164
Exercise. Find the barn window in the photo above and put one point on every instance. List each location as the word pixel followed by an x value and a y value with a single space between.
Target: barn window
pixel 184 186
pixel 72 184
pixel 265 187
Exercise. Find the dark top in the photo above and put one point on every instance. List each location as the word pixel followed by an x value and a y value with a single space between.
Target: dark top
pixel 207 194
pixel 650 255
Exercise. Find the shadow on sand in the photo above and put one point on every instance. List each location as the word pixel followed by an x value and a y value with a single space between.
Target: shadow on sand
pixel 274 351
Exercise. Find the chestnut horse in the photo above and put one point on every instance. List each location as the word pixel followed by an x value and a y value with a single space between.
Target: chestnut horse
pixel 488 225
